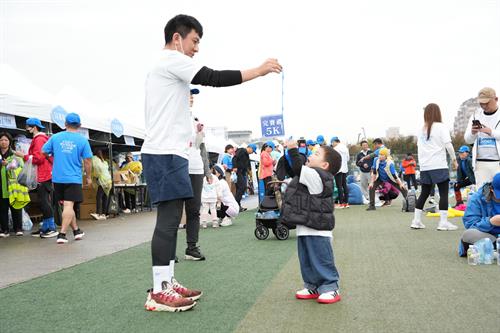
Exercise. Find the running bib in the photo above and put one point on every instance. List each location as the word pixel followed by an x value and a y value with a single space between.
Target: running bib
pixel 487 149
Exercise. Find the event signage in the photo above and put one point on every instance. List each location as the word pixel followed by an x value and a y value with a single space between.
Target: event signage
pixel 7 121
pixel 58 116
pixel 116 128
pixel 272 125
pixel 129 141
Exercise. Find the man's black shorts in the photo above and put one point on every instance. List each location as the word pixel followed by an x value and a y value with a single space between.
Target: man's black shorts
pixel 68 192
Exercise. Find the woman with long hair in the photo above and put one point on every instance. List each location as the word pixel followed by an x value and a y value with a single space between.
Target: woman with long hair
pixel 433 142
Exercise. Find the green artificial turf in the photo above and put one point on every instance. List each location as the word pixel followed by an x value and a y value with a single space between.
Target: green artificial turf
pixel 393 279
pixel 108 294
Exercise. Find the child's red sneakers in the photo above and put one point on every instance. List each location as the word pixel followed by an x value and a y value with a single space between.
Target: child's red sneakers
pixel 306 294
pixel 329 297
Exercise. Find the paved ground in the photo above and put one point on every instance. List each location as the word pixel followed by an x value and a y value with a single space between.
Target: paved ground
pixel 24 258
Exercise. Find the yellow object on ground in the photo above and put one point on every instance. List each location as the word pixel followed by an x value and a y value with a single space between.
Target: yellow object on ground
pixel 452 212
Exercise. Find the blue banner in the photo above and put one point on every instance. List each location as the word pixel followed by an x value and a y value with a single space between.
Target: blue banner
pixel 116 128
pixel 58 116
pixel 272 125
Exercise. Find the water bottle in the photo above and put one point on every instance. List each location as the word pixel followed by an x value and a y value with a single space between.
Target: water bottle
pixel 498 250
pixel 472 255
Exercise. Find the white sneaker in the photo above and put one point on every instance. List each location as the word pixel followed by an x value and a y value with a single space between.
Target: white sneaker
pixel 329 297
pixel 215 224
pixel 432 201
pixel 204 225
pixel 415 224
pixel 226 222
pixel 95 216
pixel 365 201
pixel 4 234
pixel 446 226
pixel 102 217
pixel 126 211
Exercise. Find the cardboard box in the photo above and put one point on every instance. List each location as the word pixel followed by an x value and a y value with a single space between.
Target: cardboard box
pixel 125 177
pixel 89 196
pixel 86 210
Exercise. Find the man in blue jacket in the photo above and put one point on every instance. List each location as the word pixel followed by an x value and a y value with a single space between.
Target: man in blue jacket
pixel 482 217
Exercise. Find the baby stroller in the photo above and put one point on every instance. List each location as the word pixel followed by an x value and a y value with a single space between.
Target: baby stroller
pixel 268 214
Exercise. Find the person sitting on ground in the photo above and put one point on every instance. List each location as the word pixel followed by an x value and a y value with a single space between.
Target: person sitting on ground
pixel 408 167
pixel 102 178
pixel 312 186
pixel 209 197
pixel 228 208
pixel 388 192
pixel 266 165
pixel 482 216
pixel 383 170
pixel 465 173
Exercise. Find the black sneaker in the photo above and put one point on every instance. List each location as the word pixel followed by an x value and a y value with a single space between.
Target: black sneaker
pixel 193 253
pixel 78 234
pixel 36 233
pixel 49 234
pixel 61 238
pixel 243 209
pixel 371 208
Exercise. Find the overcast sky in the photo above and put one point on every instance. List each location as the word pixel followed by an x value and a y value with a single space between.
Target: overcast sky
pixel 348 64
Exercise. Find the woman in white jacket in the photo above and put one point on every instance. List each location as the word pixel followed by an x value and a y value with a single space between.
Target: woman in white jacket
pixel 433 142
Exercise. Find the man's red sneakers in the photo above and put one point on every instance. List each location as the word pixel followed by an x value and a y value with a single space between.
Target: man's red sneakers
pixel 168 300
pixel 306 294
pixel 185 292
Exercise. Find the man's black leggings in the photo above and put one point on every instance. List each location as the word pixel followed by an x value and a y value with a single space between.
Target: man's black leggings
pixel 193 211
pixel 443 195
pixel 165 235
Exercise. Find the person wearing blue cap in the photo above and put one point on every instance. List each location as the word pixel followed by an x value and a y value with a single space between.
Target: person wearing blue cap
pixel 168 133
pixel 44 189
pixel 311 146
pixel 465 173
pixel 482 216
pixel 266 165
pixel 69 148
pixel 241 163
pixel 320 140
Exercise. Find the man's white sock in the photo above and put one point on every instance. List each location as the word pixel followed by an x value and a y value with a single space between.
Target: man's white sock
pixel 418 215
pixel 172 264
pixel 161 274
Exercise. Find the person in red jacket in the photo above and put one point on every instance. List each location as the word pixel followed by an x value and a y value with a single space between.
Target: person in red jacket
pixel 44 176
pixel 409 164
pixel 266 165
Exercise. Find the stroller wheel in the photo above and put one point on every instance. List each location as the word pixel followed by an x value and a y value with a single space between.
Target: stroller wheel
pixel 261 232
pixel 281 232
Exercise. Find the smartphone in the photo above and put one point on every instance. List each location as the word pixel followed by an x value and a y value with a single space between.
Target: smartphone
pixel 302 146
pixel 477 123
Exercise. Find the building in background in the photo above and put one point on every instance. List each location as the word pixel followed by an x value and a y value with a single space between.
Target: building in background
pixel 240 136
pixel 464 112
pixel 392 133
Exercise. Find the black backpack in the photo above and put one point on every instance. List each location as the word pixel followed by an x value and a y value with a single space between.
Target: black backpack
pixel 409 202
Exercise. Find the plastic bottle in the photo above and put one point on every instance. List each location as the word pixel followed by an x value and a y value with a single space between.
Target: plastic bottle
pixel 472 255
pixel 498 250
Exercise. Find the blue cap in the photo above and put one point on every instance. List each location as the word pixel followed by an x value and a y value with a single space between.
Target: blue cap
pixel 72 119
pixel 464 149
pixel 334 138
pixel 253 146
pixel 496 185
pixel 320 139
pixel 310 142
pixel 270 144
pixel 34 122
pixel 194 91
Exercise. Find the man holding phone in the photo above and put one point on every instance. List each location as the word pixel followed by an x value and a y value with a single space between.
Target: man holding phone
pixel 483 131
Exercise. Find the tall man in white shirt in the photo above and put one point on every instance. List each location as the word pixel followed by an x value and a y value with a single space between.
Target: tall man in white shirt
pixel 165 151
pixel 484 132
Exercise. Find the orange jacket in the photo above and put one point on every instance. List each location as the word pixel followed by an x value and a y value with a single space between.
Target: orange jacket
pixel 266 165
pixel 409 166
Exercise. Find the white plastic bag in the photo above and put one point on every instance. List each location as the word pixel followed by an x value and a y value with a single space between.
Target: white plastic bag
pixel 27 177
pixel 27 224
